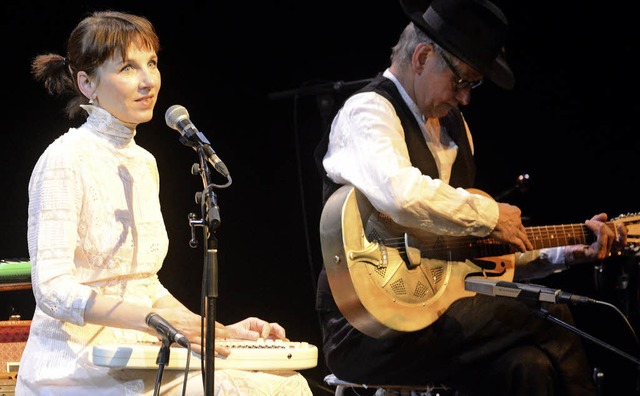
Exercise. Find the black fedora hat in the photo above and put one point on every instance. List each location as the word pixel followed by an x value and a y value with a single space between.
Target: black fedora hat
pixel 473 30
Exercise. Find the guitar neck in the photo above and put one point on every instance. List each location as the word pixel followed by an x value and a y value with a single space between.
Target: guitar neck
pixel 460 248
pixel 561 235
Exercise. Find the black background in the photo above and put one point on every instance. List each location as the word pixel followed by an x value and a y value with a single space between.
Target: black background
pixel 569 123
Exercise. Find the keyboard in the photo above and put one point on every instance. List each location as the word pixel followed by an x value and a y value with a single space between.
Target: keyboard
pixel 260 355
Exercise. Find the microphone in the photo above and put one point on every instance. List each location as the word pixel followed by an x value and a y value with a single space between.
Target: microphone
pixel 165 330
pixel 177 117
pixel 522 291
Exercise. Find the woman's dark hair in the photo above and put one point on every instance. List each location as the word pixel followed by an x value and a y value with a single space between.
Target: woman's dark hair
pixel 97 38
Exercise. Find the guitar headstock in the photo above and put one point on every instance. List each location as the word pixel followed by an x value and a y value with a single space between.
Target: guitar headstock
pixel 632 223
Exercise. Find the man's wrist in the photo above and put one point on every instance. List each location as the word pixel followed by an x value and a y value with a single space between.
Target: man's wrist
pixel 575 254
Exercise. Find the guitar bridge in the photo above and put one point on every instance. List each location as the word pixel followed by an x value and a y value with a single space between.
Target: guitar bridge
pixel 374 254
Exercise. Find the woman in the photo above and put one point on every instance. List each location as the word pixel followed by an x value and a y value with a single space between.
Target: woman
pixel 95 230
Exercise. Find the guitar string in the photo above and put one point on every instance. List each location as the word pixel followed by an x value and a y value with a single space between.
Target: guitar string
pixel 577 233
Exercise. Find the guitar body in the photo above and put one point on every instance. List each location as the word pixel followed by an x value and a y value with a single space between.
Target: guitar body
pixel 388 288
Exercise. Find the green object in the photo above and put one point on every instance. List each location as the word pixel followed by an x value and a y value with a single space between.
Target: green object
pixel 15 271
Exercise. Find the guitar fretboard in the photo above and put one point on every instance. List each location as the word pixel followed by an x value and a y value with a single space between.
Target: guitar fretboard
pixel 458 248
pixel 560 235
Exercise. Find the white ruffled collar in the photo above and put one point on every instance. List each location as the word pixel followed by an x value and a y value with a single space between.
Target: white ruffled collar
pixel 104 123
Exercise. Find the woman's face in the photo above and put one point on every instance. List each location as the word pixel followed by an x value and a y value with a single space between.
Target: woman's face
pixel 128 89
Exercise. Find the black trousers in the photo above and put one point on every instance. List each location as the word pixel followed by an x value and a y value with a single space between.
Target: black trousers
pixel 481 345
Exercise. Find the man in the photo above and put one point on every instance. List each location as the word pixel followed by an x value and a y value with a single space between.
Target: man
pixel 403 144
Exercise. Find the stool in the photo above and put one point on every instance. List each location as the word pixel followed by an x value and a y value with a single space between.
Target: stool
pixel 390 390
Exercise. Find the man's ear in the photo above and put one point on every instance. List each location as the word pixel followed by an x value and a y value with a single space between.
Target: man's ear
pixel 420 55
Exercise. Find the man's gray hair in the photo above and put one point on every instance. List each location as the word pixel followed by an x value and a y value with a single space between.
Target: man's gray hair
pixel 411 36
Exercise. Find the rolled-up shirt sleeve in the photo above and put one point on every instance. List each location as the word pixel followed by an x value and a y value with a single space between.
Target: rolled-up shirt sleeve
pixel 367 149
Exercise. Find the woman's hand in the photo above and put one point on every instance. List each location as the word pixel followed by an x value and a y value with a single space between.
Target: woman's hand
pixel 251 328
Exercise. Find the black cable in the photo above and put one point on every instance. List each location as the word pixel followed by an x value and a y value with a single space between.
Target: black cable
pixel 624 317
pixel 186 369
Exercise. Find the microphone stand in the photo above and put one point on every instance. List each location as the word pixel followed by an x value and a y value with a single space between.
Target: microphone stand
pixel 162 360
pixel 209 221
pixel 322 88
pixel 544 314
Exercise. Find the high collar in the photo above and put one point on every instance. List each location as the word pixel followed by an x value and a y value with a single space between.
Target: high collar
pixel 106 124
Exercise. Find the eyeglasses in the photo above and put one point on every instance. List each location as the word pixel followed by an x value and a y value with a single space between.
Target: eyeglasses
pixel 460 84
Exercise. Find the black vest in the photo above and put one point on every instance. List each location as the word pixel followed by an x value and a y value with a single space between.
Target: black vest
pixel 463 171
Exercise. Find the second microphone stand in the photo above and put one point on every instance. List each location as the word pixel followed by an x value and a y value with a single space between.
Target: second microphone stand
pixel 209 221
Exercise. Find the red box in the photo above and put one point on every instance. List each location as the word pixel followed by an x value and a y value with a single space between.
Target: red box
pixel 13 338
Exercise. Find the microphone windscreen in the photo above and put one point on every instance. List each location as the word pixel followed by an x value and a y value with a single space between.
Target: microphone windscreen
pixel 174 115
pixel 151 319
